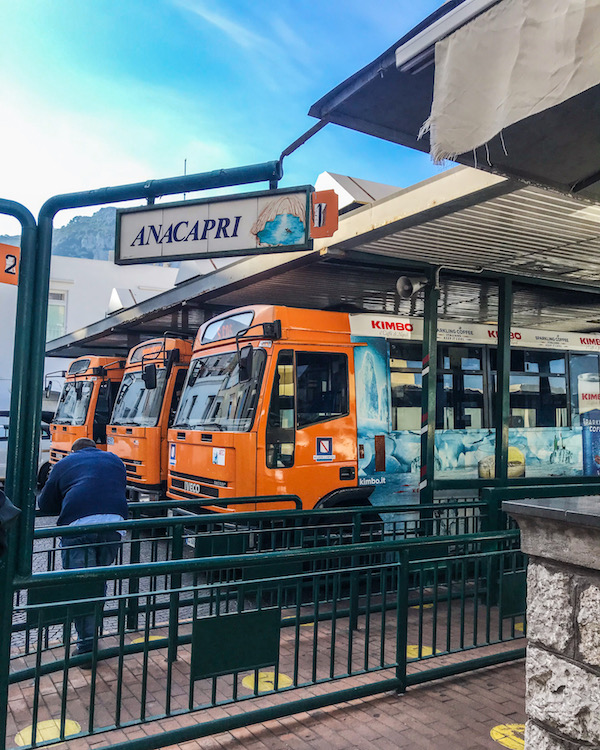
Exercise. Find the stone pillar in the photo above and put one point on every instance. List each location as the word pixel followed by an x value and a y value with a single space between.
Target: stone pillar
pixel 562 539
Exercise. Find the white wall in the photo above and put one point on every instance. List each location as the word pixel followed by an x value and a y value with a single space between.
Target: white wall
pixel 88 285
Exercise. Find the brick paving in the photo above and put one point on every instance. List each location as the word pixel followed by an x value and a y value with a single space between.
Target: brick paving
pixel 455 713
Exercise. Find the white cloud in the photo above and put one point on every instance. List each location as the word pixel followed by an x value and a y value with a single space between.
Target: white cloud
pixel 277 59
pixel 239 34
pixel 47 151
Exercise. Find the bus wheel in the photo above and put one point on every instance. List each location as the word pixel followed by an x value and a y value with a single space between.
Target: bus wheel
pixel 42 476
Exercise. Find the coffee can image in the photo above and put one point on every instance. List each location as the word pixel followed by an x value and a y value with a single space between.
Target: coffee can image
pixel 588 387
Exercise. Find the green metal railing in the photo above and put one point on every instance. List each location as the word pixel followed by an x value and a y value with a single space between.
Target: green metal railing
pixel 317 618
pixel 152 540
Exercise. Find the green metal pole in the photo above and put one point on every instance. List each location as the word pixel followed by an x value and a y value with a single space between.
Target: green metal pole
pixel 428 392
pixel 502 414
pixel 21 457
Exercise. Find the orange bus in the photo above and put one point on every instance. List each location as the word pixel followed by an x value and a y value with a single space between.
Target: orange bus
pixel 85 404
pixel 144 409
pixel 328 406
pixel 269 407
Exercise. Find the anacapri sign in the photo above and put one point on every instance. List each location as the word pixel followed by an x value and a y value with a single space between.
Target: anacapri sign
pixel 248 224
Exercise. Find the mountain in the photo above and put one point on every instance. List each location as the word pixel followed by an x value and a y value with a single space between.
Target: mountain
pixel 83 237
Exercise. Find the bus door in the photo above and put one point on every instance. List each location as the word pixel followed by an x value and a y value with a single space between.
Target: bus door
pixel 310 435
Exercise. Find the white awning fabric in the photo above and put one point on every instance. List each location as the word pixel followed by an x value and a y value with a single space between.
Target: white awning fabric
pixel 512 61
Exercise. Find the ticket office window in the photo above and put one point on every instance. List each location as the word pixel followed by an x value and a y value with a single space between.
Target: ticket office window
pixel 406 384
pixel 461 388
pixel 538 388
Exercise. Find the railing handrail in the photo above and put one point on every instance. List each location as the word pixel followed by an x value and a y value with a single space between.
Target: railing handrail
pixel 196 565
pixel 539 491
pixel 166 521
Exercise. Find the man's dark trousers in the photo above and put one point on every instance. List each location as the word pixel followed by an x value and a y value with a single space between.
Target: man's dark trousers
pixel 89 550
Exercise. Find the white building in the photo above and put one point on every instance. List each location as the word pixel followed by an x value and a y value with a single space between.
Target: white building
pixel 82 291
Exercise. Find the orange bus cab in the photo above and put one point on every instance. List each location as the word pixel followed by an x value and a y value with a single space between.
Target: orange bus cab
pixel 145 408
pixel 85 404
pixel 268 408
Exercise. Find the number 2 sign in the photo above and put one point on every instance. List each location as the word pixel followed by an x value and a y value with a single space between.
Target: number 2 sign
pixel 9 264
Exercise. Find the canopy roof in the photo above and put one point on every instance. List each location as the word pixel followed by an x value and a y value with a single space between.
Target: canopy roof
pixel 475 225
pixel 391 98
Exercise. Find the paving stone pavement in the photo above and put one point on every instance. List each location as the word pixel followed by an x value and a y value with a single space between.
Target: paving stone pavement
pixel 456 713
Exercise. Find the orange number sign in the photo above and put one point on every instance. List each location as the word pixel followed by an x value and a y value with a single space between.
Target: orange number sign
pixel 9 264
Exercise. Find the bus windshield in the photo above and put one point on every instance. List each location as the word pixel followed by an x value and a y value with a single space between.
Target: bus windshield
pixel 135 404
pixel 74 403
pixel 213 398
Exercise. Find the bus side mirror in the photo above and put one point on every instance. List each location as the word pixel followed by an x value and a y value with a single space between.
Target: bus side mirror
pixel 245 362
pixel 78 390
pixel 149 376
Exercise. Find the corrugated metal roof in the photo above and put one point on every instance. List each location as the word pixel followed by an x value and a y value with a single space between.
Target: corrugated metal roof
pixel 530 232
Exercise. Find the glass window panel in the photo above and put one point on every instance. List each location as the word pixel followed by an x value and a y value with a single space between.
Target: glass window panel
pixel 470 363
pixel 473 418
pixel 557 385
pixel 405 356
pixel 137 405
pixel 57 320
pixel 74 402
pixel 406 418
pixel 460 357
pixel 406 385
pixel 322 387
pixel 473 383
pixel 280 420
pixel 215 399
pixel 522 417
pixel 524 384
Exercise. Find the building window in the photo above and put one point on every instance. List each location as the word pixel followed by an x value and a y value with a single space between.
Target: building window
pixel 57 315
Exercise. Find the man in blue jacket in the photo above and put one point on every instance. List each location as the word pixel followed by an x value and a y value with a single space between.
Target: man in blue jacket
pixel 86 487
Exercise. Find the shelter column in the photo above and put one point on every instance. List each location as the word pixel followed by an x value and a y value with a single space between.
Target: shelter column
pixel 428 402
pixel 502 415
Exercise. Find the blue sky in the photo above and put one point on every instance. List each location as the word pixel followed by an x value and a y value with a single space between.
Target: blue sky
pixel 105 92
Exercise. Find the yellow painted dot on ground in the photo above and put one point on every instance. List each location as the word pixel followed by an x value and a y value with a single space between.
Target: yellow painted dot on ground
pixel 422 606
pixel 509 735
pixel 302 624
pixel 266 681
pixel 150 638
pixel 412 652
pixel 46 730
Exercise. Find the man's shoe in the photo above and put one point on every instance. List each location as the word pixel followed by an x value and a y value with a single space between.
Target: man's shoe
pixel 87 663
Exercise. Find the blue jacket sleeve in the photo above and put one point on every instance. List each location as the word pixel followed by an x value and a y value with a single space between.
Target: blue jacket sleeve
pixel 50 498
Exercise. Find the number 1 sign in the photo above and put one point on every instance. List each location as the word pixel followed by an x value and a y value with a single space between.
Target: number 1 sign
pixel 9 264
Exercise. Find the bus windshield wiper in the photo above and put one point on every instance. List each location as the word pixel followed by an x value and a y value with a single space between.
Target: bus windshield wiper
pixel 210 425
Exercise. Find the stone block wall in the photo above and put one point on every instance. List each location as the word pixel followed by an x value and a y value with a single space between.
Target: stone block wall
pixel 563 656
